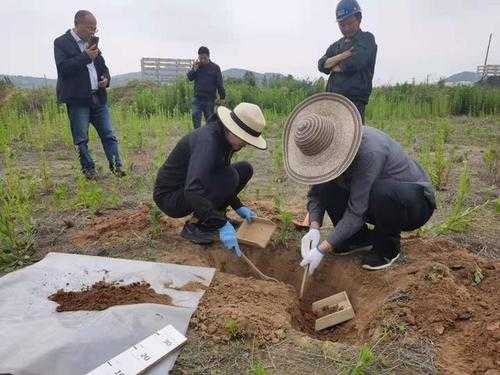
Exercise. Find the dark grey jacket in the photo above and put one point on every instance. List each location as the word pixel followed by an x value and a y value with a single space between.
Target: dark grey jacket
pixel 73 81
pixel 191 166
pixel 355 79
pixel 207 81
pixel 379 158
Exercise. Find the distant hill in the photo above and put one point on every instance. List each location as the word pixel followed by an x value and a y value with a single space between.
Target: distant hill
pixel 31 82
pixel 123 79
pixel 463 77
pixel 259 77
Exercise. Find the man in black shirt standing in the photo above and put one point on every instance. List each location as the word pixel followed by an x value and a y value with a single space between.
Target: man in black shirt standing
pixel 198 177
pixel 350 61
pixel 207 78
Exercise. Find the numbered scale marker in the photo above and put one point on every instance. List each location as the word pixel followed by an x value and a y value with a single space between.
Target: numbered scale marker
pixel 143 355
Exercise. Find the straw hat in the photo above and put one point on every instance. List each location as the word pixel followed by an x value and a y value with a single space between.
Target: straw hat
pixel 321 139
pixel 246 122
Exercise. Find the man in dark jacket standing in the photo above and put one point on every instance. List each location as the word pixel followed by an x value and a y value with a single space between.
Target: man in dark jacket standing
pixel 207 78
pixel 350 61
pixel 198 178
pixel 82 79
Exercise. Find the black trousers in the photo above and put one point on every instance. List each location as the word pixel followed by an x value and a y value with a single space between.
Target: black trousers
pixel 360 106
pixel 223 190
pixel 393 207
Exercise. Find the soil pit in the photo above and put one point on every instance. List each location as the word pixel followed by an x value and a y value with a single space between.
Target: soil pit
pixel 430 294
pixel 102 295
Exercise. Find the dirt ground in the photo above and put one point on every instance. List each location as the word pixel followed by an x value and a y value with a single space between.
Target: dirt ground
pixel 435 311
pixel 439 294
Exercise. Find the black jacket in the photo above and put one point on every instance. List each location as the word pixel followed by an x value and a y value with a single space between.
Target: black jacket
pixel 191 165
pixel 355 79
pixel 73 81
pixel 207 80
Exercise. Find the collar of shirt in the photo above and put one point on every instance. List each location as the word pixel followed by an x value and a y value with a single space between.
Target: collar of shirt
pixel 77 38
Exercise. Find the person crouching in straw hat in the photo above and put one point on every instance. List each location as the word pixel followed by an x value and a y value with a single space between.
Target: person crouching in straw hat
pixel 198 177
pixel 358 175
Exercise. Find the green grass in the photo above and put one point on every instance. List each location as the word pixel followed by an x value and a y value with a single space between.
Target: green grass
pixel 17 229
pixel 231 327
pixel 257 368
pixel 91 195
pixel 366 358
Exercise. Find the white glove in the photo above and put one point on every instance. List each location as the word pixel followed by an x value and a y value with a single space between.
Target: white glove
pixel 309 241
pixel 313 259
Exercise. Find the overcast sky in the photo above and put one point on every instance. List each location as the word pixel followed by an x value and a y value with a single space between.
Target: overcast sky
pixel 414 37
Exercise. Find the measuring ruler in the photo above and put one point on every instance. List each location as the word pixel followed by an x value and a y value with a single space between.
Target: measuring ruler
pixel 142 355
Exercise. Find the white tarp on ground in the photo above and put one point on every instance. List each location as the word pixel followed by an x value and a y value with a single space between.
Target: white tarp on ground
pixel 37 340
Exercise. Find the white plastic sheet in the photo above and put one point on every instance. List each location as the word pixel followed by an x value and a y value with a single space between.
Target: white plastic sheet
pixel 37 340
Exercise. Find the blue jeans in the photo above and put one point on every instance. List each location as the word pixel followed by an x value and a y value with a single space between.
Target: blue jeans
pixel 201 106
pixel 79 118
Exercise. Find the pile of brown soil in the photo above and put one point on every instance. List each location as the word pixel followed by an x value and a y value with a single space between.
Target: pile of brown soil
pixel 109 228
pixel 119 227
pixel 102 295
pixel 258 310
pixel 452 298
pixel 192 286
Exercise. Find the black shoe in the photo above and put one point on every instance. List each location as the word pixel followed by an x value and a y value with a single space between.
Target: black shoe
pixel 375 261
pixel 197 235
pixel 118 171
pixel 90 174
pixel 362 241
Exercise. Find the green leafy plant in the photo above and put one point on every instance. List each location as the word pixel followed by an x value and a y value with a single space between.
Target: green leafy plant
pixel 258 369
pixel 460 216
pixel 231 327
pixel 155 220
pixel 490 159
pixel 477 275
pixel 436 162
pixel 17 230
pixel 366 358
pixel 286 229
pixel 92 196
pixel 61 194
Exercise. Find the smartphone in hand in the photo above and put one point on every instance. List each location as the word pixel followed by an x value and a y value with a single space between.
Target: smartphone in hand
pixel 94 40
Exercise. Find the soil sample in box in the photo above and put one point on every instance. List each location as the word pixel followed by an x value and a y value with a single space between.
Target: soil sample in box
pixel 257 233
pixel 332 310
pixel 327 310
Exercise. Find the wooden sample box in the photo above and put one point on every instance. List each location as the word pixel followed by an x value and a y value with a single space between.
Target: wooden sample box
pixel 345 312
pixel 257 233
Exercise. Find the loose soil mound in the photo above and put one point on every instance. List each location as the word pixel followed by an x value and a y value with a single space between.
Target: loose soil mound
pixel 245 307
pixel 102 295
pixel 119 227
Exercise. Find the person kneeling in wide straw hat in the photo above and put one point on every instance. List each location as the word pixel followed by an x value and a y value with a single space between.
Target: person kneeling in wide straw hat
pixel 358 175
pixel 198 177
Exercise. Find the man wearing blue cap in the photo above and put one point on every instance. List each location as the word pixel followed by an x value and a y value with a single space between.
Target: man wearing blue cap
pixel 350 61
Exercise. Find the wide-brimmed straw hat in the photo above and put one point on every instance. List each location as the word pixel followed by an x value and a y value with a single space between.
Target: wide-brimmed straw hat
pixel 246 122
pixel 322 136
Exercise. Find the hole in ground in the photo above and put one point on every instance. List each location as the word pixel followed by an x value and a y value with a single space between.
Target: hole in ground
pixel 335 274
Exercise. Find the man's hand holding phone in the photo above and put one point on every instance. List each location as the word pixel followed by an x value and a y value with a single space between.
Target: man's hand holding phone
pixel 92 50
pixel 103 83
pixel 196 64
